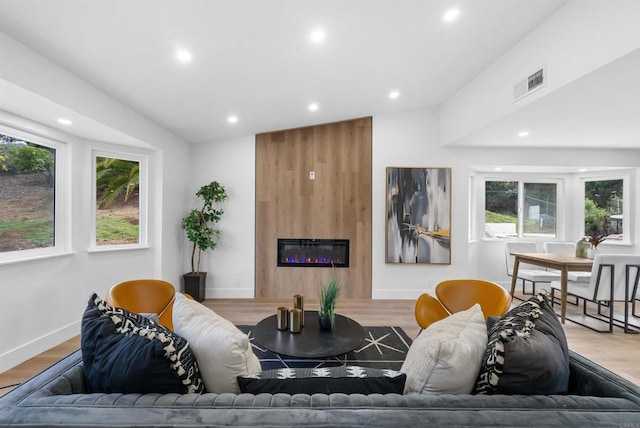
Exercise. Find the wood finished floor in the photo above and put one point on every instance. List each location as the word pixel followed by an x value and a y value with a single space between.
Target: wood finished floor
pixel 618 352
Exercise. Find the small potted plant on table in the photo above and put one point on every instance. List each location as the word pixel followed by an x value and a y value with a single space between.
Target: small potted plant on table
pixel 595 239
pixel 329 293
pixel 198 226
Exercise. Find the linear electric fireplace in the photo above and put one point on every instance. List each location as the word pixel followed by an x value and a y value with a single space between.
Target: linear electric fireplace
pixel 313 252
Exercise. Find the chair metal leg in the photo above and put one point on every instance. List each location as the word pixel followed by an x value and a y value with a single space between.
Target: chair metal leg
pixel 631 289
pixel 630 297
pixel 634 293
pixel 602 317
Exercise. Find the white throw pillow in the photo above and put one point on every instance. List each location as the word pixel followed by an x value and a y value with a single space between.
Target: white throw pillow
pixel 222 351
pixel 445 358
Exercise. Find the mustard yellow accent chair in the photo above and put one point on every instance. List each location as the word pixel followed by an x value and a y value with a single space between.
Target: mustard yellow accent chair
pixel 145 296
pixel 429 310
pixel 458 295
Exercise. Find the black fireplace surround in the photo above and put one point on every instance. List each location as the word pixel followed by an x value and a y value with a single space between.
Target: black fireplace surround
pixel 313 252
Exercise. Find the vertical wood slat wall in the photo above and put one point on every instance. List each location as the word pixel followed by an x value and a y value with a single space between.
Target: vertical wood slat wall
pixel 336 205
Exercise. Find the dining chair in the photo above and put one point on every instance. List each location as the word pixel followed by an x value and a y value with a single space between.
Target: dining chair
pixel 614 278
pixel 152 296
pixel 457 295
pixel 559 247
pixel 527 272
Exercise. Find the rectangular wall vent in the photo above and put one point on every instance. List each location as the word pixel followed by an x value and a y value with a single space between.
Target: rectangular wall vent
pixel 535 81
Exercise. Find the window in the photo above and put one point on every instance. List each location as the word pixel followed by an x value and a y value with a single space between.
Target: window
pixel 119 201
pixel 520 209
pixel 30 204
pixel 603 208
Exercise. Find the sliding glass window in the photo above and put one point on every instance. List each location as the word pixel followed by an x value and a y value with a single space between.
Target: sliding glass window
pixel 516 209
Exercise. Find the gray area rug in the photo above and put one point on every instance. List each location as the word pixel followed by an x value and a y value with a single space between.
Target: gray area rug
pixel 382 347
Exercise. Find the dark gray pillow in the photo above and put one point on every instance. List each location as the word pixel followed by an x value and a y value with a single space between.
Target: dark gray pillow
pixel 324 380
pixel 527 352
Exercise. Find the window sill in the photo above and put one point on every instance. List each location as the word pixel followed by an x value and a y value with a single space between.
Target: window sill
pixel 111 248
pixel 36 257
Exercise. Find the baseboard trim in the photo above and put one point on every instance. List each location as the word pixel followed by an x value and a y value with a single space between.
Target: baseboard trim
pixel 229 293
pixel 22 353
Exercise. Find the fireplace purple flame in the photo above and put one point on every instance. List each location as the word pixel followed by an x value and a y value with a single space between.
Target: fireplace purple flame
pixel 313 252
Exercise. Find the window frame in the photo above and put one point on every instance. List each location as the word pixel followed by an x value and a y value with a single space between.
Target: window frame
pixel 143 198
pixel 627 177
pixel 62 199
pixel 523 179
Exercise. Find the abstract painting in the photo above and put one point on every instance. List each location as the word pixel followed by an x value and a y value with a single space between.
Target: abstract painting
pixel 418 215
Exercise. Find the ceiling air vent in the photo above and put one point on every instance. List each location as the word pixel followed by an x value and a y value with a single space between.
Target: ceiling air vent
pixel 528 85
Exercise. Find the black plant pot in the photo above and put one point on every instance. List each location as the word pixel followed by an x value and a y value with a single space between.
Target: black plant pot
pixel 325 323
pixel 194 284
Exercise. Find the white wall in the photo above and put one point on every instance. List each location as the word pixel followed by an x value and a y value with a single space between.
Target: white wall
pixel 579 38
pixel 41 301
pixel 411 139
pixel 231 266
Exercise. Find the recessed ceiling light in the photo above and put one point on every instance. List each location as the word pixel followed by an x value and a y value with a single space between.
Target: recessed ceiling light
pixel 64 121
pixel 451 15
pixel 394 94
pixel 522 134
pixel 313 107
pixel 232 119
pixel 183 56
pixel 497 168
pixel 317 36
pixel 582 170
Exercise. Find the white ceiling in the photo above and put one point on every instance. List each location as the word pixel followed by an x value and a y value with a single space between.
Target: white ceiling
pixel 254 58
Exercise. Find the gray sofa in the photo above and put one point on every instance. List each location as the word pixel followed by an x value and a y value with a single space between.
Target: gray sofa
pixel 59 397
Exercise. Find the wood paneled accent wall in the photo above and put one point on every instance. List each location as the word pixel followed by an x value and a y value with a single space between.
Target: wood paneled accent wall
pixel 335 205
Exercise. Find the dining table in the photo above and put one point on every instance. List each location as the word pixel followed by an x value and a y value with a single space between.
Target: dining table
pixel 562 262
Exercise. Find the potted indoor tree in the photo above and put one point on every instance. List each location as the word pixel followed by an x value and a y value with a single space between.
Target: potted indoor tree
pixel 199 228
pixel 329 293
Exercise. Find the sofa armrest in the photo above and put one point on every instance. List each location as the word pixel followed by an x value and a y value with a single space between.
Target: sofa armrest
pixel 64 377
pixel 590 379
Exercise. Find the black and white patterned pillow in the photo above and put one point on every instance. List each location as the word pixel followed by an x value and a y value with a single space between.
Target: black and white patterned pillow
pixel 126 352
pixel 324 380
pixel 527 352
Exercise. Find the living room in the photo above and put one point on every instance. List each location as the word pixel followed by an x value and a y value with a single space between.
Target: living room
pixel 582 44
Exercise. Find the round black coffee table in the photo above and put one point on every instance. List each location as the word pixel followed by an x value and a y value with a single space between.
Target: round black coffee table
pixel 311 342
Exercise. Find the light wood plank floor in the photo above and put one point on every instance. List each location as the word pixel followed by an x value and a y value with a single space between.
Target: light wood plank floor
pixel 618 352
